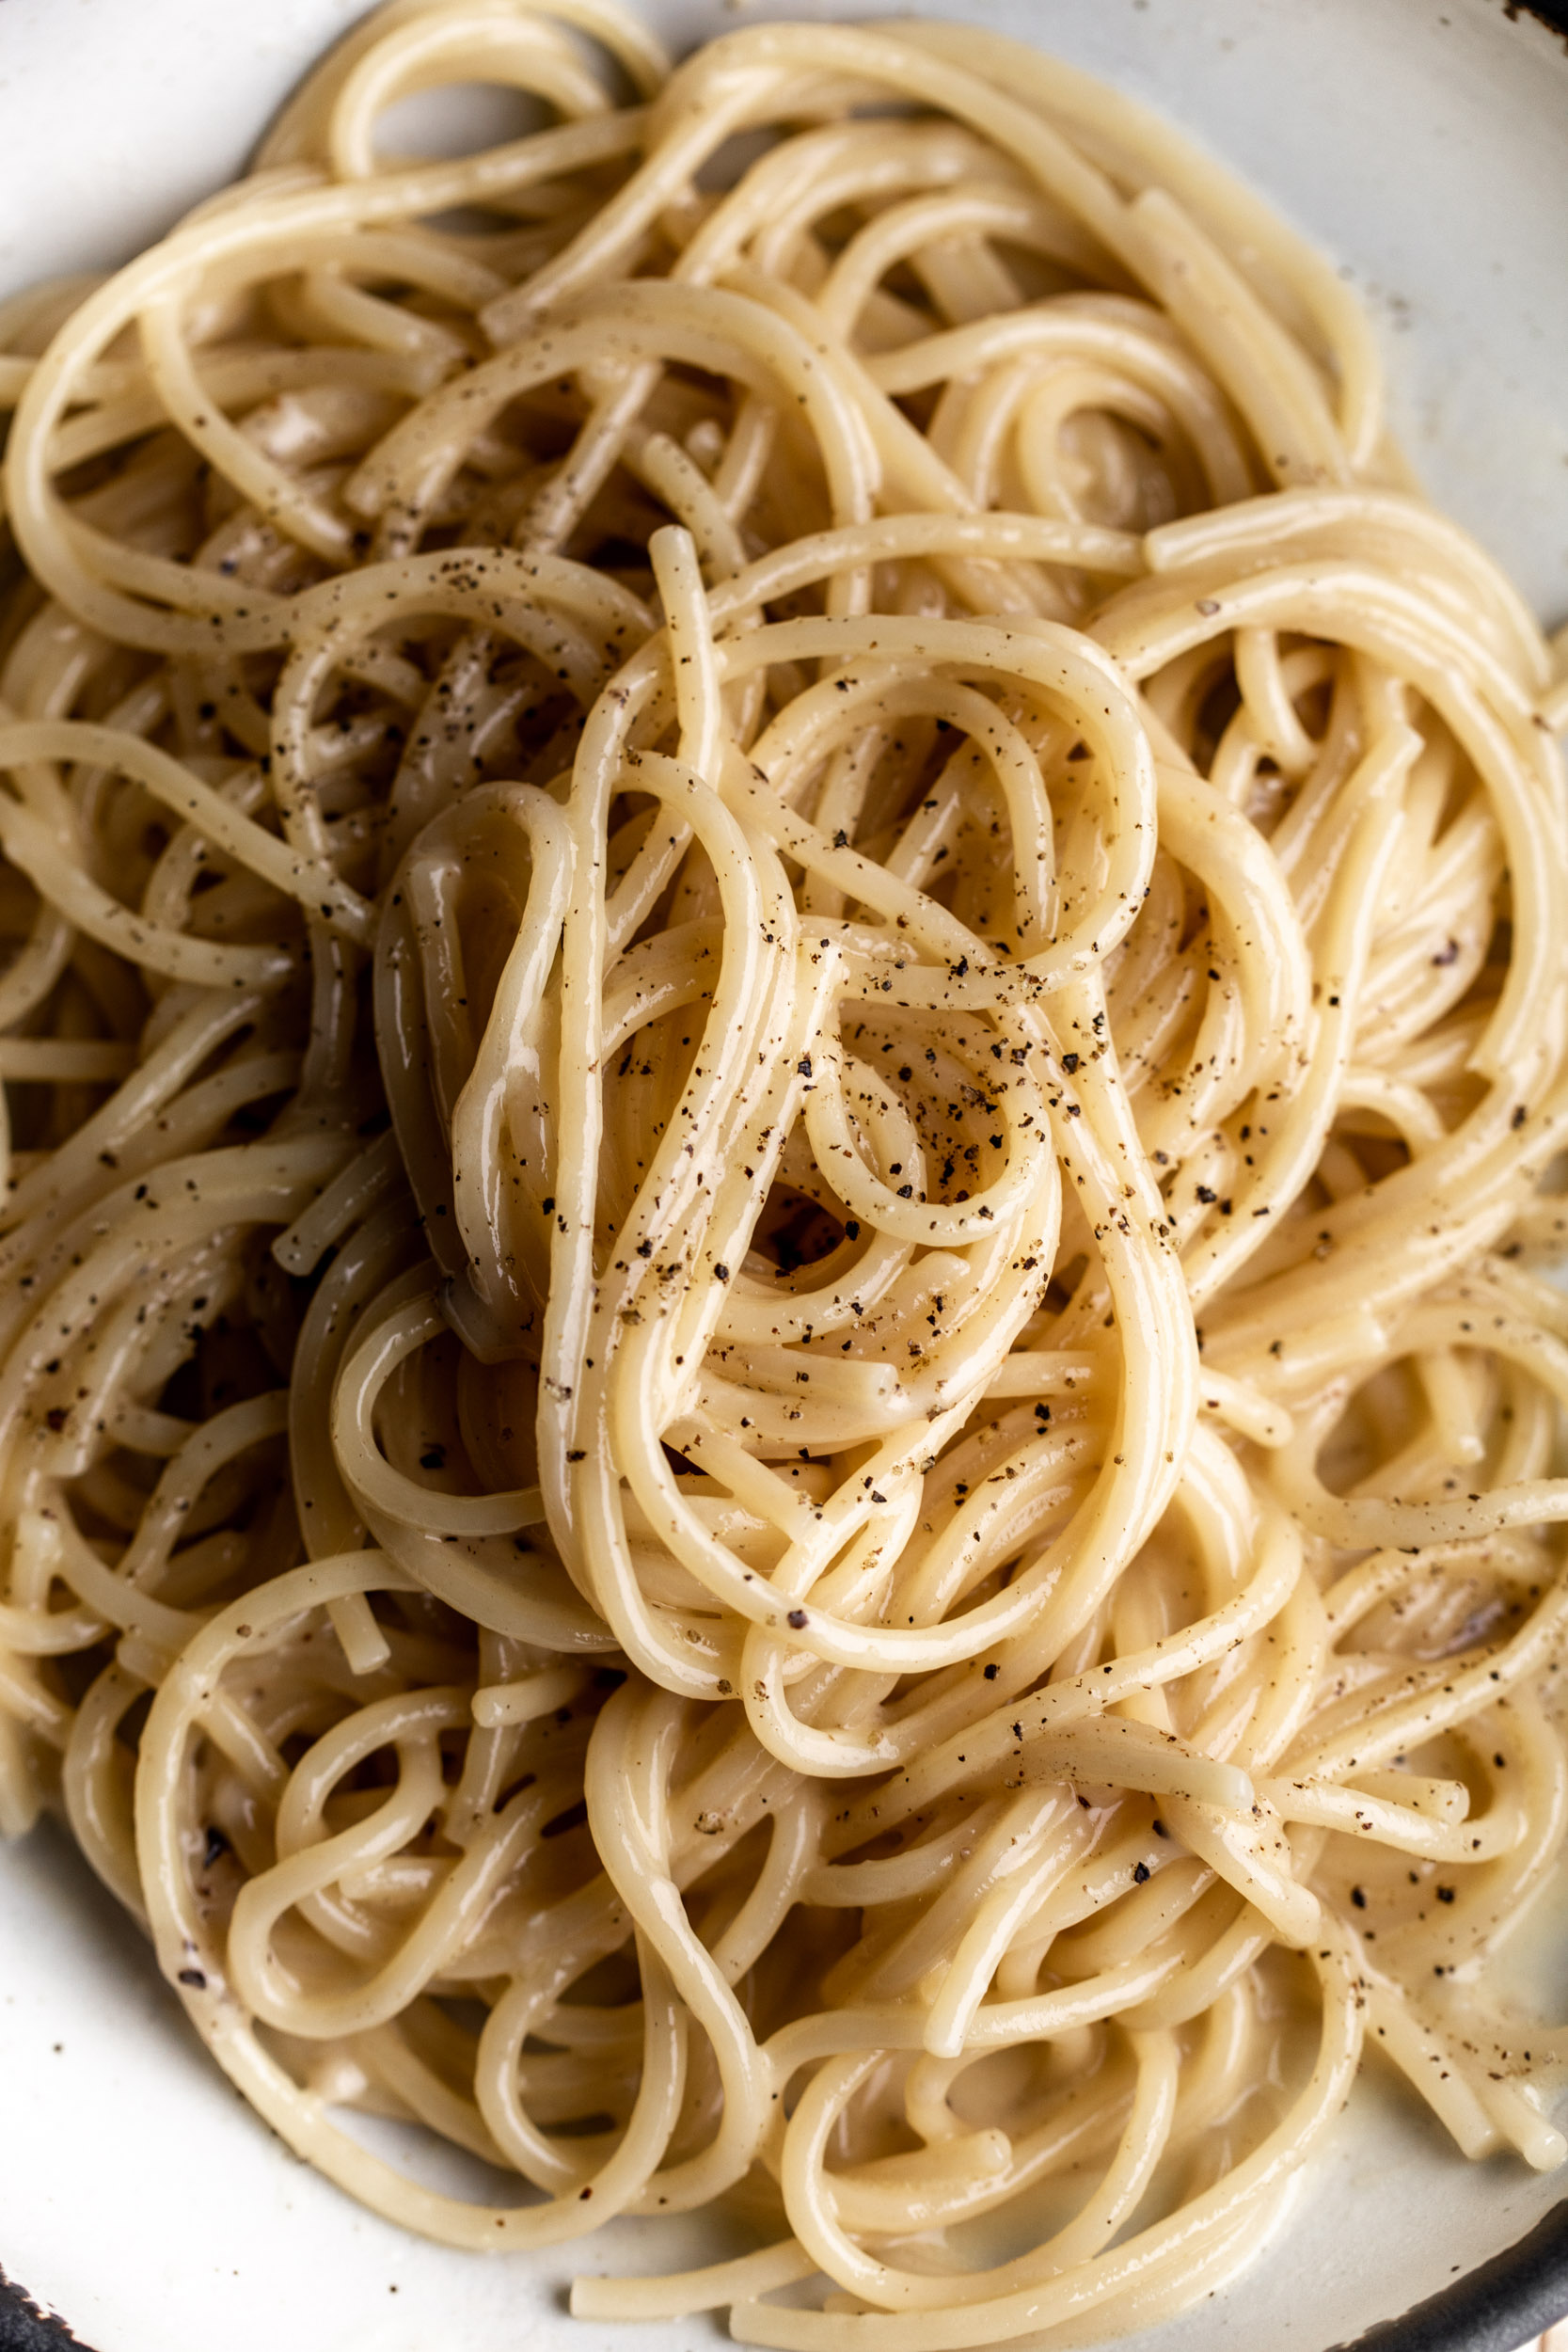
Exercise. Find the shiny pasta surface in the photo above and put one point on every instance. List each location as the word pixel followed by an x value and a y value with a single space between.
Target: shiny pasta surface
pixel 785 1053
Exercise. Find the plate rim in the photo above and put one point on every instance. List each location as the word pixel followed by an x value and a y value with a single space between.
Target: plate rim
pixel 1522 2287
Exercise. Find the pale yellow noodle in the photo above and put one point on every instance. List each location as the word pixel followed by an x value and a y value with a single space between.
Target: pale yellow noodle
pixel 783 1041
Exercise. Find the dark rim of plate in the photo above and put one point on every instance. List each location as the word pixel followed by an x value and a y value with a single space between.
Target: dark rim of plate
pixel 1498 2306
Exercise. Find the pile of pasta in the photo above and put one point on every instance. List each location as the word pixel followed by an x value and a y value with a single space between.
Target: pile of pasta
pixel 784 1036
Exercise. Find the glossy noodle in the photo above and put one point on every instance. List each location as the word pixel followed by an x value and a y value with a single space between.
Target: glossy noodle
pixel 785 1040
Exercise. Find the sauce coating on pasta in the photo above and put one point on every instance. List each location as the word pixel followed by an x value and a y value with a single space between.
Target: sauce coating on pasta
pixel 785 1043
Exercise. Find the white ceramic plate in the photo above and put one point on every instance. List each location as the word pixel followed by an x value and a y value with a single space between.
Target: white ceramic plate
pixel 1425 144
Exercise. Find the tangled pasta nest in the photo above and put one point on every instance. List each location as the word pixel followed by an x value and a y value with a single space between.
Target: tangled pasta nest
pixel 784 1039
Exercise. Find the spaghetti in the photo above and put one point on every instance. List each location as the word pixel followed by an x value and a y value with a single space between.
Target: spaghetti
pixel 785 1043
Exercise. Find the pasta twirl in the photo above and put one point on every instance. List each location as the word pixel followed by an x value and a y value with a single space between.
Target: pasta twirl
pixel 784 1050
